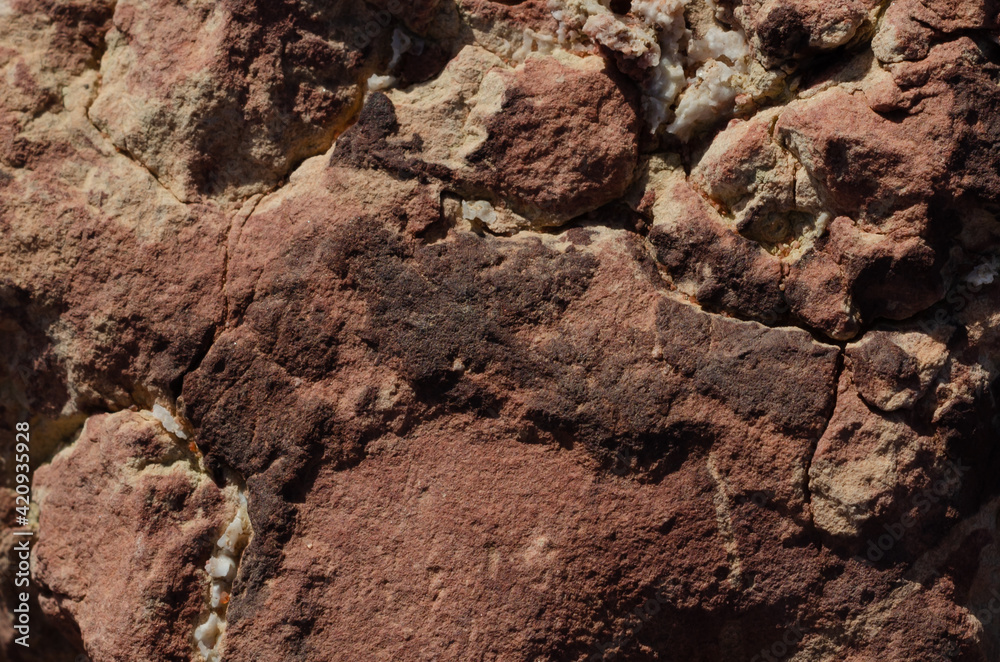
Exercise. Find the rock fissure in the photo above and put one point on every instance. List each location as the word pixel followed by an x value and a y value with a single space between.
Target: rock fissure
pixel 815 444
pixel 222 568
pixel 470 335
pixel 228 542
pixel 98 58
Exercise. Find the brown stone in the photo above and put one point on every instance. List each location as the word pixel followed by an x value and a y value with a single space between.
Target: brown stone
pixel 498 372
pixel 127 516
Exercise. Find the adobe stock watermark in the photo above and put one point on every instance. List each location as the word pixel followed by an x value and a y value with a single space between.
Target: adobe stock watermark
pixel 648 610
pixel 364 35
pixel 641 617
pixel 957 299
pixel 991 609
pixel 781 648
pixel 758 498
pixel 771 317
pixel 944 488
pixel 623 462
pixel 951 651
pixel 962 295
pixel 24 534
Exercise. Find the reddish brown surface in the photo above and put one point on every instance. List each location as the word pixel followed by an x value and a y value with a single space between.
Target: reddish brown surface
pixel 460 445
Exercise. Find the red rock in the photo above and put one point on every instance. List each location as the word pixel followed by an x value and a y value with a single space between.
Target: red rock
pixel 491 376
pixel 554 148
pixel 128 522
pixel 180 82
pixel 911 26
pixel 580 153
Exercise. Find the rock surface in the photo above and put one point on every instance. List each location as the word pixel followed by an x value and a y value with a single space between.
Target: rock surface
pixel 137 516
pixel 563 331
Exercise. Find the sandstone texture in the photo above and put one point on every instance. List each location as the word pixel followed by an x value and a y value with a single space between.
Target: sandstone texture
pixel 542 331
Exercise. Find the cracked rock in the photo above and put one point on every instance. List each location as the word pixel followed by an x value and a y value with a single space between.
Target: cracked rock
pixel 135 515
pixel 469 330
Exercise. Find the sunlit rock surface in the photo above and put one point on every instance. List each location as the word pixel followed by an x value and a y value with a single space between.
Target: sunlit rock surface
pixel 472 330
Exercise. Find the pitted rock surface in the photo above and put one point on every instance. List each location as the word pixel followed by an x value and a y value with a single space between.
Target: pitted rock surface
pixel 504 364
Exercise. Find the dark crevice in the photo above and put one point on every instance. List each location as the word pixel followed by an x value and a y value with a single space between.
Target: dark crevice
pixel 838 372
pixel 204 346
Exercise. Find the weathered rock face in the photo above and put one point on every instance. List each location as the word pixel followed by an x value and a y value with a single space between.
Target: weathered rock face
pixel 783 29
pixel 137 517
pixel 503 331
pixel 225 98
pixel 528 139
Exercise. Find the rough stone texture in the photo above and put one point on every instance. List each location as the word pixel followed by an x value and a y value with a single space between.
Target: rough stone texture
pixel 550 139
pixel 225 98
pixel 494 362
pixel 136 516
pixel 786 29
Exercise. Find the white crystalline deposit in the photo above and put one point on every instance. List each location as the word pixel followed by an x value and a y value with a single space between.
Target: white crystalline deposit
pixel 168 422
pixel 207 635
pixel 984 273
pixel 667 18
pixel 234 533
pixel 216 594
pixel 515 47
pixel 222 567
pixel 377 83
pixel 723 57
pixel 498 221
pixel 479 210
pixel 401 43
pixel 534 42
pixel 693 78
